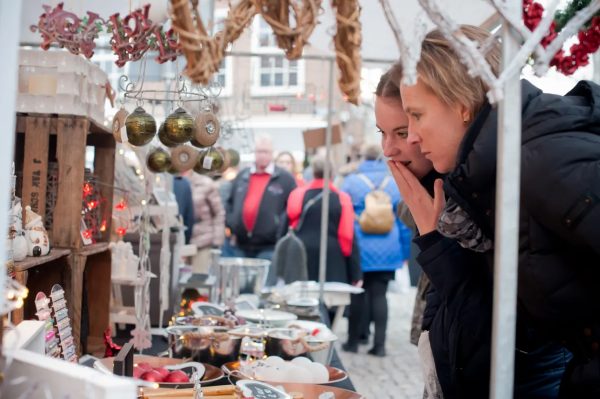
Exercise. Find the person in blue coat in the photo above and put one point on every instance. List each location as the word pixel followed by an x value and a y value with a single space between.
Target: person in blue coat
pixel 381 254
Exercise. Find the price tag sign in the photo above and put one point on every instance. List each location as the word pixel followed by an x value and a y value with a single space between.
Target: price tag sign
pixel 207 309
pixel 207 164
pixel 260 390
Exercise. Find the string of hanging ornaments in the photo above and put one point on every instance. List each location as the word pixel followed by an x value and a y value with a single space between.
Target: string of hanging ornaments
pixel 184 142
pixel 132 36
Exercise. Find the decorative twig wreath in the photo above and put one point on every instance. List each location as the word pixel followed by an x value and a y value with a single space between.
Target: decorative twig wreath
pixel 277 14
pixel 347 40
pixel 205 53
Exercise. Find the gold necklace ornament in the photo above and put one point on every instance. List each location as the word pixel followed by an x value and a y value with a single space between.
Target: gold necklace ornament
pixel 141 127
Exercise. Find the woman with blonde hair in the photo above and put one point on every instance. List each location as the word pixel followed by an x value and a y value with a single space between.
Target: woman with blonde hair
pixel 559 251
pixel 286 160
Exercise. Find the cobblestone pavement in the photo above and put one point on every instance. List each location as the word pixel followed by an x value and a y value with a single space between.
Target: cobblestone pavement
pixel 397 375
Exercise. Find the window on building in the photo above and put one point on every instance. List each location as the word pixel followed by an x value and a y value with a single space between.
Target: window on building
pixel 272 73
pixel 224 75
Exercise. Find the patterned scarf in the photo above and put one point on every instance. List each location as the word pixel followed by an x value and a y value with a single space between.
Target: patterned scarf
pixel 457 224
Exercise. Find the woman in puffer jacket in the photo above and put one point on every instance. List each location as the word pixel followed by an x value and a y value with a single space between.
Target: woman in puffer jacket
pixel 209 224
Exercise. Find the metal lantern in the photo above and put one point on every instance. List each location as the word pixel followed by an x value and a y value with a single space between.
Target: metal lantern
pixel 208 130
pixel 158 160
pixel 163 137
pixel 141 127
pixel 179 126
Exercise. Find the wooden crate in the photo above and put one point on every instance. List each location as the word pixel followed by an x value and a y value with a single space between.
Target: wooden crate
pixel 63 139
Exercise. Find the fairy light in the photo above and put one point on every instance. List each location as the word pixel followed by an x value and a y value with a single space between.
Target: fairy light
pixel 144 202
pixel 121 151
pixel 121 205
pixel 87 189
pixel 138 171
pixel 141 177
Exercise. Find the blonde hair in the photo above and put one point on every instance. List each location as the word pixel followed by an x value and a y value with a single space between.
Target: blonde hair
pixel 441 69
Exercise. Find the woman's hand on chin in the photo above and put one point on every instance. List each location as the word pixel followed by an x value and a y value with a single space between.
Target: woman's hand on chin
pixel 425 210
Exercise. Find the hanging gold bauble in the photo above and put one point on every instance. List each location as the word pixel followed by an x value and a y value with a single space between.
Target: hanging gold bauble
pixel 158 160
pixel 163 137
pixel 179 126
pixel 208 130
pixel 183 157
pixel 141 127
pixel 210 160
pixel 226 159
pixel 172 170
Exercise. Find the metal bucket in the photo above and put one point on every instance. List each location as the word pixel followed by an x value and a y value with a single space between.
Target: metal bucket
pixel 241 276
pixel 212 345
pixel 289 343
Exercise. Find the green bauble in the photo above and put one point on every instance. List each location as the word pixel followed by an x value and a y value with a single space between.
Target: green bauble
pixel 179 126
pixel 140 126
pixel 163 137
pixel 158 161
pixel 234 157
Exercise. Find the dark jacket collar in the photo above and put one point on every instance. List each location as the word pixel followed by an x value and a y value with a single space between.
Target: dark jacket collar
pixel 472 183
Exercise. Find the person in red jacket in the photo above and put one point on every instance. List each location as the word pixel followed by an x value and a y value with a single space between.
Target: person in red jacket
pixel 343 259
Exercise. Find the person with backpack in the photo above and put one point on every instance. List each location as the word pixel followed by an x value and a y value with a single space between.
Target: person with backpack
pixel 384 243
pixel 559 235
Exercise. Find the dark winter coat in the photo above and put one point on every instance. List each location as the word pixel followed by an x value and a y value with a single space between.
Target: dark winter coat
pixel 458 311
pixel 559 242
pixel 271 212
pixel 343 257
pixel 458 314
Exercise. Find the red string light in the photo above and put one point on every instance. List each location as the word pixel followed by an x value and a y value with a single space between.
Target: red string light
pixel 121 205
pixel 87 189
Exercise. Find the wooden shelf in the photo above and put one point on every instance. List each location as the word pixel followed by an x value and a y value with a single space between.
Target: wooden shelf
pixel 31 261
pixel 91 249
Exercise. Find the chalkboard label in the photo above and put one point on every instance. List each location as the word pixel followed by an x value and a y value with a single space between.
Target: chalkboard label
pixel 260 390
pixel 207 309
